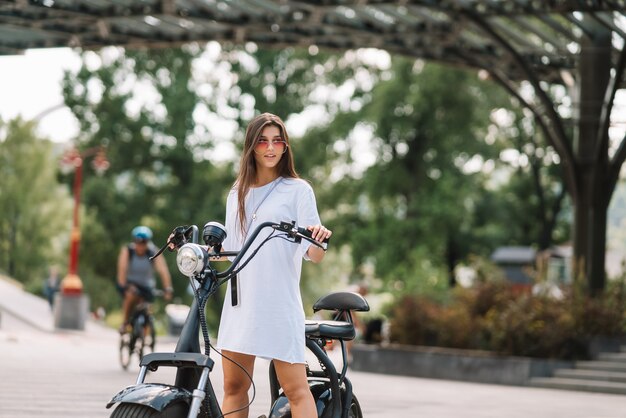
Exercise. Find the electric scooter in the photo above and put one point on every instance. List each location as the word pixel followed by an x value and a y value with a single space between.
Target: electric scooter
pixel 192 394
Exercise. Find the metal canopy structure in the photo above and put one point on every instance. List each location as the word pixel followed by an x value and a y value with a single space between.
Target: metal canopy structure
pixel 546 35
pixel 525 45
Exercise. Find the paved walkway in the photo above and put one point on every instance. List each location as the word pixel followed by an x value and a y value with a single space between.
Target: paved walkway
pixel 66 374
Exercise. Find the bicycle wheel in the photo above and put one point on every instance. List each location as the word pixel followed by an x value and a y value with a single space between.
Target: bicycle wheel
pixel 131 410
pixel 125 350
pixel 139 343
pixel 150 335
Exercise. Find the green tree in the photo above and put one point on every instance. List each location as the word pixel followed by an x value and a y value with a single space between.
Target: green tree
pixel 35 209
pixel 534 193
pixel 163 167
pixel 140 105
pixel 439 187
pixel 411 210
pixel 401 157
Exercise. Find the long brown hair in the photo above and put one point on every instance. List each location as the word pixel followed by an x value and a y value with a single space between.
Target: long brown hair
pixel 247 166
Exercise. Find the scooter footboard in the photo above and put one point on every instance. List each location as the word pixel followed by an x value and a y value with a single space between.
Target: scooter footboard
pixel 155 395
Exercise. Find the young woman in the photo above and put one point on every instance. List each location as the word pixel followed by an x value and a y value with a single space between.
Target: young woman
pixel 263 314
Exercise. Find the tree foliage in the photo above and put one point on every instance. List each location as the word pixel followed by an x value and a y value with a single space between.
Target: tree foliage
pixel 414 211
pixel 140 106
pixel 35 209
pixel 405 157
pixel 144 106
pixel 420 180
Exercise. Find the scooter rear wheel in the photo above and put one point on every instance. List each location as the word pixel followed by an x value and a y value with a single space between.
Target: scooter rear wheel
pixel 132 410
pixel 355 409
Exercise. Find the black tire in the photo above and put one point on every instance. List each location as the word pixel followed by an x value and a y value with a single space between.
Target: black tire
pixel 149 337
pixel 152 336
pixel 125 351
pixel 138 337
pixel 139 346
pixel 132 410
pixel 355 408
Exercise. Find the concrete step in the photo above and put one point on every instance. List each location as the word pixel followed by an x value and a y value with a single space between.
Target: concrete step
pixel 601 375
pixel 611 366
pixel 619 357
pixel 579 384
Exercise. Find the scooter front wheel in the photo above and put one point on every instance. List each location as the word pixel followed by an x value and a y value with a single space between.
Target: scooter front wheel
pixel 133 410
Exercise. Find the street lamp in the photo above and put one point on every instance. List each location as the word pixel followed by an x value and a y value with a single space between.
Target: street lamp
pixel 70 311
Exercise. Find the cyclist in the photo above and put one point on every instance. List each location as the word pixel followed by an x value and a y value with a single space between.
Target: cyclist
pixel 135 273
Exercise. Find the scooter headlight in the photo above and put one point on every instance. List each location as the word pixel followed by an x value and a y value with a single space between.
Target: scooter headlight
pixel 191 259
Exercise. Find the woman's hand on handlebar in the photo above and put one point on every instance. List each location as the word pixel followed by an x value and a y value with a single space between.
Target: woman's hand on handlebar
pixel 319 232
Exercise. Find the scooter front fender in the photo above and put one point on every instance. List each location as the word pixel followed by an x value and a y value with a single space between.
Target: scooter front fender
pixel 156 396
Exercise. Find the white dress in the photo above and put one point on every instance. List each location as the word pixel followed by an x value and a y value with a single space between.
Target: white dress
pixel 268 322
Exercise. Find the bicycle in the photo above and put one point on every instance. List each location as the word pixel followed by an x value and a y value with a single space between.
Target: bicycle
pixel 192 393
pixel 141 333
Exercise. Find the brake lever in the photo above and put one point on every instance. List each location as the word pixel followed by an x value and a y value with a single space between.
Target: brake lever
pixel 158 253
pixel 179 237
pixel 312 241
pixel 297 233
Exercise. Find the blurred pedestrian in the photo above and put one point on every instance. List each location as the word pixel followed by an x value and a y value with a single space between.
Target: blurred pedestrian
pixel 359 325
pixel 51 285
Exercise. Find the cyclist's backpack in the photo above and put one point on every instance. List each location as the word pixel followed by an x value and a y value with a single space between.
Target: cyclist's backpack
pixel 131 252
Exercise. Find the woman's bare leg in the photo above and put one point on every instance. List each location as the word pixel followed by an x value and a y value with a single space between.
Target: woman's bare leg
pixel 292 378
pixel 236 383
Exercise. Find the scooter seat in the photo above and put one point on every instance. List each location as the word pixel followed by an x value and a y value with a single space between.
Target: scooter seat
pixel 342 301
pixel 334 330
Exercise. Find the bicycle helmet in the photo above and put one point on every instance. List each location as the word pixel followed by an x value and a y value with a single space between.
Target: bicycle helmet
pixel 142 233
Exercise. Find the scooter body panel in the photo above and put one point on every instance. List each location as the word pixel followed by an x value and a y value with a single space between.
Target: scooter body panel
pixel 156 396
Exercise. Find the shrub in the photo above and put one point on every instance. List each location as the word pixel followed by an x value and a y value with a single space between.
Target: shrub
pixel 536 327
pixel 491 316
pixel 413 321
pixel 602 315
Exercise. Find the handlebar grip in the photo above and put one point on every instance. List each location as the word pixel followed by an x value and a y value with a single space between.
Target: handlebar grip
pixel 307 233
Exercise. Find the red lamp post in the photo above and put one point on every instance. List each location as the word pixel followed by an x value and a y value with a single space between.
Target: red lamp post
pixel 73 160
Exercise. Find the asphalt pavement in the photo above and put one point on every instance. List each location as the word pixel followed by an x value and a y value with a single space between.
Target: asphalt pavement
pixel 48 373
